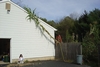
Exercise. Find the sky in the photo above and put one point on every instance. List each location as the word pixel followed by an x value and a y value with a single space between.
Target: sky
pixel 57 9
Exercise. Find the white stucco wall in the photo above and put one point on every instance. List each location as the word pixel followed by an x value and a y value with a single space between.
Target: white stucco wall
pixel 26 38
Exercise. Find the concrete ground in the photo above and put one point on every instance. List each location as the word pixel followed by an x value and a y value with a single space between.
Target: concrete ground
pixel 3 64
pixel 44 64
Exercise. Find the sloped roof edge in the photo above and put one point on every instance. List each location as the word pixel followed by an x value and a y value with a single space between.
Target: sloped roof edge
pixel 47 24
pixel 25 12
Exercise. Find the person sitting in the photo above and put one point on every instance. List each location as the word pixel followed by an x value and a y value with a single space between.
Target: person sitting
pixel 21 59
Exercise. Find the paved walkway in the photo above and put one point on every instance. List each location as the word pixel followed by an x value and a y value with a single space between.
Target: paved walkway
pixel 45 64
pixel 3 64
pixel 57 64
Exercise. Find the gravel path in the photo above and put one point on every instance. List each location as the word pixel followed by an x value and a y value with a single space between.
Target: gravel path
pixel 46 64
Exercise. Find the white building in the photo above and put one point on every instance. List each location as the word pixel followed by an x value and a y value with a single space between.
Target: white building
pixel 19 36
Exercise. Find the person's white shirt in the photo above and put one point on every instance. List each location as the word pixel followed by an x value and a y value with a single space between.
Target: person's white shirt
pixel 21 59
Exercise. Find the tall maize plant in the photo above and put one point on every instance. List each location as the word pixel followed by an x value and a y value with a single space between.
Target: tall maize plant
pixel 32 16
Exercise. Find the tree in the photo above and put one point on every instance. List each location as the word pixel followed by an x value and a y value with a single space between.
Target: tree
pixel 94 15
pixel 86 19
pixel 90 42
pixel 89 24
pixel 74 15
pixel 65 26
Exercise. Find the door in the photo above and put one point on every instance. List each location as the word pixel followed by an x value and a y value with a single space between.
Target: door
pixel 4 49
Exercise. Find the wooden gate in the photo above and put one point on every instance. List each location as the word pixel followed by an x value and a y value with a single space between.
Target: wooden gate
pixel 69 51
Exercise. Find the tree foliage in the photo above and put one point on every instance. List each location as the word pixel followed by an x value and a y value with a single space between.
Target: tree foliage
pixel 65 25
pixel 90 24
